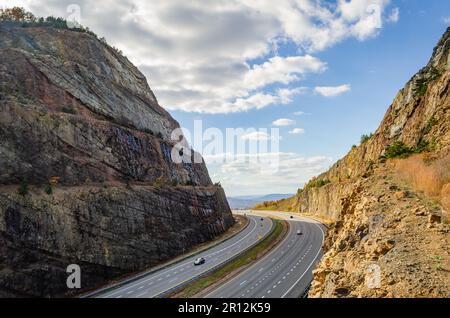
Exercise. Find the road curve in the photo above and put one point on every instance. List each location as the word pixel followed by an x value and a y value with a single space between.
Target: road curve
pixel 286 271
pixel 160 282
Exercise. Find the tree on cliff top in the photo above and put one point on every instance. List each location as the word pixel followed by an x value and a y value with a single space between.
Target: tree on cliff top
pixel 16 14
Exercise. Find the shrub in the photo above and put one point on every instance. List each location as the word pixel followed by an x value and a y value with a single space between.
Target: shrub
pixel 365 138
pixel 27 19
pixel 316 183
pixel 421 83
pixel 431 123
pixel 16 14
pixel 159 182
pixel 68 110
pixel 48 189
pixel 398 150
pixel 420 87
pixel 23 187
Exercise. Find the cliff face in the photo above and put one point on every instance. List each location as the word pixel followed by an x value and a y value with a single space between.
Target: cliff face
pixel 415 117
pixel 380 220
pixel 85 141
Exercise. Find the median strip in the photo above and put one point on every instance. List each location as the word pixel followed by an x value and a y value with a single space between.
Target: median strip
pixel 207 283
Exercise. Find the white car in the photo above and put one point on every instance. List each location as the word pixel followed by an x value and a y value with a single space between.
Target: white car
pixel 299 232
pixel 199 261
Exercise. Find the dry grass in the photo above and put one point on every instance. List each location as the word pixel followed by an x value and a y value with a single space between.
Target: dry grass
pixel 427 175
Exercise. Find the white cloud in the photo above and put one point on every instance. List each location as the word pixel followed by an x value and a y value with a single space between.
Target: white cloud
pixel 299 113
pixel 282 70
pixel 446 20
pixel 332 91
pixel 257 136
pixel 297 131
pixel 394 16
pixel 200 55
pixel 281 171
pixel 283 122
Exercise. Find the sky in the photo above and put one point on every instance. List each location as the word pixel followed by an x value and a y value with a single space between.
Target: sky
pixel 321 72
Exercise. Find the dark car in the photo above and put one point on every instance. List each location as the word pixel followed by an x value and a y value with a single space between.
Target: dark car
pixel 262 219
pixel 292 217
pixel 199 261
pixel 299 232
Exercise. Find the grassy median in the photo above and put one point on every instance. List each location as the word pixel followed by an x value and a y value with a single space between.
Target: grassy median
pixel 233 266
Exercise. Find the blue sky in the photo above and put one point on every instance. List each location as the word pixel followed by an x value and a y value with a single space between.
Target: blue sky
pixel 223 62
pixel 376 68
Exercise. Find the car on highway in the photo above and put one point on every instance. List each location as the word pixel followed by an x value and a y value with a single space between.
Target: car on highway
pixel 262 219
pixel 299 232
pixel 292 217
pixel 199 261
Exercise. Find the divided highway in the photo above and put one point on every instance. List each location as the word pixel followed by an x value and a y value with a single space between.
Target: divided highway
pixel 286 271
pixel 160 282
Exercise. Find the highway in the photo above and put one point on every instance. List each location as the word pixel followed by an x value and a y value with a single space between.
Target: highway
pixel 286 271
pixel 160 282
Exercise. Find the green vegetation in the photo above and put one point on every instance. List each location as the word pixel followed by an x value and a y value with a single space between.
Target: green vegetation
pixel 23 188
pixel 159 182
pixel 399 150
pixel 242 260
pixel 68 110
pixel 365 138
pixel 421 83
pixel 48 189
pixel 316 183
pixel 431 123
pixel 26 19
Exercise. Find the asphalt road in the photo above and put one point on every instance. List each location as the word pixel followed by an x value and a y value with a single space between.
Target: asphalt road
pixel 157 283
pixel 286 271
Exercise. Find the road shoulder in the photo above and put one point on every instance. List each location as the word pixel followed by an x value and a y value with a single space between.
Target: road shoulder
pixel 240 225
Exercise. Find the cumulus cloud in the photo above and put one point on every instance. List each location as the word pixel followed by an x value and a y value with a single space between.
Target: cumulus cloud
pixel 285 172
pixel 297 131
pixel 332 91
pixel 221 56
pixel 283 122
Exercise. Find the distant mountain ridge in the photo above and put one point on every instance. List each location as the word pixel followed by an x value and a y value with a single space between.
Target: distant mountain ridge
pixel 248 202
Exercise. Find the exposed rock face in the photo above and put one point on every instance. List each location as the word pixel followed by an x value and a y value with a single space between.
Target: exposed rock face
pixel 75 112
pixel 378 221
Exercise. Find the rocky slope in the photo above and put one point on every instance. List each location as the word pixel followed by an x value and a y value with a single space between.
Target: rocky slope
pixel 378 218
pixel 86 174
